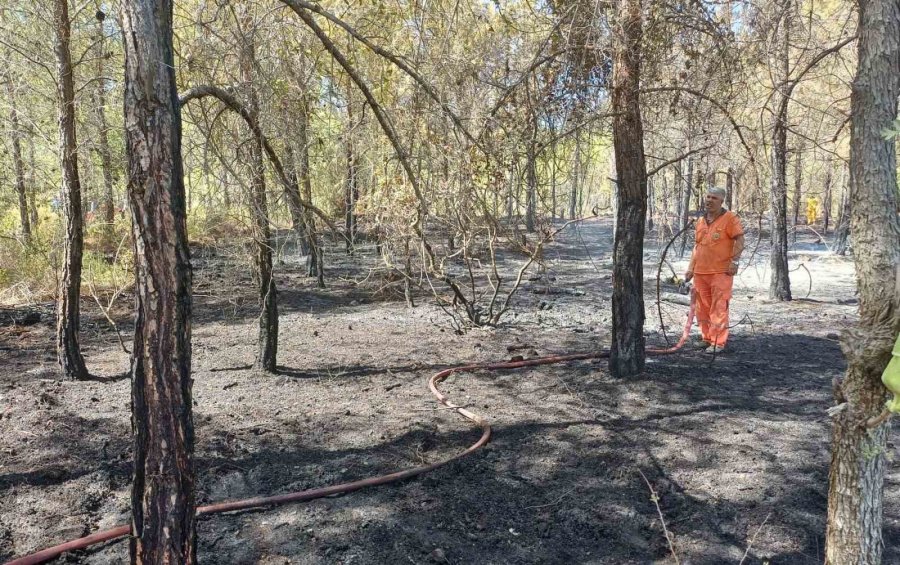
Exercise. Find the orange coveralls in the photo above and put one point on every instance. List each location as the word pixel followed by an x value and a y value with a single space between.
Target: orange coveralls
pixel 713 250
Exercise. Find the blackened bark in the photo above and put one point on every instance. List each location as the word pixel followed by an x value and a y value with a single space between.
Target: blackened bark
pixel 163 496
pixel 576 178
pixel 292 197
pixel 685 202
pixel 531 176
pixel 267 343
pixel 68 310
pixel 827 198
pixel 314 263
pixel 351 190
pixel 856 478
pixel 729 189
pixel 626 356
pixel 842 231
pixel 780 284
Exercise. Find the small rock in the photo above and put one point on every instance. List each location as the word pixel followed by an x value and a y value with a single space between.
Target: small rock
pixel 438 555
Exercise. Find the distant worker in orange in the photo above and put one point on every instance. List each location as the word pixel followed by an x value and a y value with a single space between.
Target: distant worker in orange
pixel 719 242
pixel 812 210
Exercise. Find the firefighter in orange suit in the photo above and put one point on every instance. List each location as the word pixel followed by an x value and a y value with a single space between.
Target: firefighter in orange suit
pixel 719 242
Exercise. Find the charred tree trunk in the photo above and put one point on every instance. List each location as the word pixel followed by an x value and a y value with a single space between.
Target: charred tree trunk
pixel 553 182
pixel 163 499
pixel 827 198
pixel 314 262
pixel 576 177
pixel 842 231
pixel 292 197
pixel 856 478
pixel 729 189
pixel 531 176
pixel 68 308
pixel 780 285
pixel 351 190
pixel 18 161
pixel 627 355
pixel 267 344
pixel 685 205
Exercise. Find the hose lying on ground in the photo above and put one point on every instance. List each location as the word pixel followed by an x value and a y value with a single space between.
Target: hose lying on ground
pixel 45 555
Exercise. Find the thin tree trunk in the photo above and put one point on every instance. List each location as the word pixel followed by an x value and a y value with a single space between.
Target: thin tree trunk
pixel 109 178
pixel 292 197
pixel 842 231
pixel 32 202
pixel 798 180
pixel 651 197
pixel 729 188
pixel 686 202
pixel 314 264
pixel 163 499
pixel 351 190
pixel 18 162
pixel 553 182
pixel 827 198
pixel 626 355
pixel 68 306
pixel 531 176
pixel 531 191
pixel 780 284
pixel 576 177
pixel 267 344
pixel 856 478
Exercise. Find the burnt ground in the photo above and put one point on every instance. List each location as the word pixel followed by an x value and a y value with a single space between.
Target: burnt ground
pixel 736 446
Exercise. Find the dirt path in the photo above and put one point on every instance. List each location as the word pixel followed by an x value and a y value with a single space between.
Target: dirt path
pixel 729 444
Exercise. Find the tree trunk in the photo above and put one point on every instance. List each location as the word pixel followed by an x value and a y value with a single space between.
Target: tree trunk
pixel 827 198
pixel 780 284
pixel 685 205
pixel 531 194
pixel 553 182
pixel 614 190
pixel 626 356
pixel 18 161
pixel 292 197
pixel 855 486
pixel 842 231
pixel 576 176
pixel 109 178
pixel 651 197
pixel 162 500
pixel 531 177
pixel 68 308
pixel 267 343
pixel 314 263
pixel 729 189
pixel 798 193
pixel 351 190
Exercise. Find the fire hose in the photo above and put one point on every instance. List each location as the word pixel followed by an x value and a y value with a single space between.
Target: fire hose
pixel 49 553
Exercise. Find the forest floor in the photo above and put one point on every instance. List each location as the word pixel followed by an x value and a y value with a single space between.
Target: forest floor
pixel 736 446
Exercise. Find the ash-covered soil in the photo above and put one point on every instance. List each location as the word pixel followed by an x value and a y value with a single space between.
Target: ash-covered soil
pixel 736 446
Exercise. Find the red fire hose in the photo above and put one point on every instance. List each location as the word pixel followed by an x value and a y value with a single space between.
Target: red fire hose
pixel 45 555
